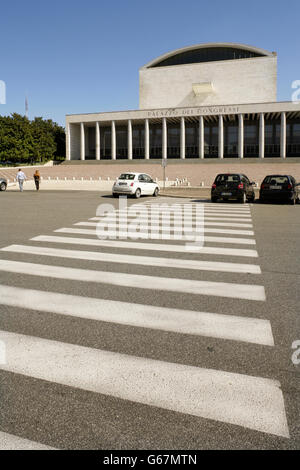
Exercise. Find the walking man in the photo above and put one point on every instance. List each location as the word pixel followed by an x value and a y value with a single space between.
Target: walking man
pixel 20 178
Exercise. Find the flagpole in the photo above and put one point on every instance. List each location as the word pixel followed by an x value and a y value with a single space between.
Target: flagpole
pixel 26 107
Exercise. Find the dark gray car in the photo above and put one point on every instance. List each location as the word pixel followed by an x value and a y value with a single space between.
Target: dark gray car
pixel 3 184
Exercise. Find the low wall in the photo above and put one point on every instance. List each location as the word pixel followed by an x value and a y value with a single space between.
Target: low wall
pixel 197 172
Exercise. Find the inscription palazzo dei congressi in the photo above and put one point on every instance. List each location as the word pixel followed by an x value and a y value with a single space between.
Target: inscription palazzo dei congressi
pixel 193 111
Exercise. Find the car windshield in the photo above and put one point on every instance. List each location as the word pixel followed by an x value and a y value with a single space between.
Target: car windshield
pixel 274 180
pixel 227 178
pixel 126 176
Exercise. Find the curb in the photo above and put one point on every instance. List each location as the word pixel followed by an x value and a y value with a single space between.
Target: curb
pixel 185 196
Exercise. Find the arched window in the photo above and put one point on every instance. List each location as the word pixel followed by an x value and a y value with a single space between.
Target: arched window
pixel 206 54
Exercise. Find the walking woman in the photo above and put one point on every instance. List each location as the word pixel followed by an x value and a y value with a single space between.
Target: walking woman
pixel 37 178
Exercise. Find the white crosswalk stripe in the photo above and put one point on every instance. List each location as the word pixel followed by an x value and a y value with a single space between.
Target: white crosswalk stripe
pixel 218 289
pixel 205 204
pixel 10 442
pixel 158 229
pixel 157 236
pixel 112 222
pixel 120 217
pixel 211 213
pixel 251 330
pixel 249 401
pixel 189 206
pixel 145 246
pixel 253 402
pixel 133 259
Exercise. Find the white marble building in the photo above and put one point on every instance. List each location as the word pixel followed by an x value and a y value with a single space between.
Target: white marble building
pixel 214 100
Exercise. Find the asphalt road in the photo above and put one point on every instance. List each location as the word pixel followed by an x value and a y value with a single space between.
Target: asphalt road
pixel 75 416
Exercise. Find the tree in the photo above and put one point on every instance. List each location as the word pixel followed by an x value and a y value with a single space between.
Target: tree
pixel 25 141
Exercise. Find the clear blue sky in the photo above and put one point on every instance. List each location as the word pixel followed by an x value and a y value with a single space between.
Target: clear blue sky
pixel 76 56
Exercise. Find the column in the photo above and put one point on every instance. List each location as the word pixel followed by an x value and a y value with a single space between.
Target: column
pixel 147 140
pixel 283 136
pixel 261 135
pixel 182 137
pixel 201 137
pixel 82 142
pixel 97 141
pixel 113 140
pixel 164 138
pixel 129 140
pixel 221 137
pixel 241 136
pixel 68 142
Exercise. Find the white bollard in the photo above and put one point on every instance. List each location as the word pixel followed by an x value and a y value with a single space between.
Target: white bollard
pixel 99 178
pixel 82 178
pixel 49 178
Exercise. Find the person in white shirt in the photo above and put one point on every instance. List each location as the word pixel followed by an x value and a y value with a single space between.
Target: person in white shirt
pixel 20 178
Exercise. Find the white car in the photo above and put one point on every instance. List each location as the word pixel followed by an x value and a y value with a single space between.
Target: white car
pixel 135 184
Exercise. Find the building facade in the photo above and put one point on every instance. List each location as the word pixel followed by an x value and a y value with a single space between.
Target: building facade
pixel 205 101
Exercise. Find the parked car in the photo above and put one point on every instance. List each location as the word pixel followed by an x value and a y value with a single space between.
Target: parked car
pixel 232 186
pixel 3 184
pixel 135 184
pixel 279 188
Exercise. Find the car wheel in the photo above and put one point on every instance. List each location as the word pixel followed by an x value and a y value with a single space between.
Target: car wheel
pixel 156 191
pixel 252 198
pixel 2 186
pixel 293 201
pixel 138 193
pixel 213 199
pixel 115 195
pixel 243 199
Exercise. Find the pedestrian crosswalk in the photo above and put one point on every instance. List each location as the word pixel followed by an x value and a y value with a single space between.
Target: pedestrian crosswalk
pixel 171 265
